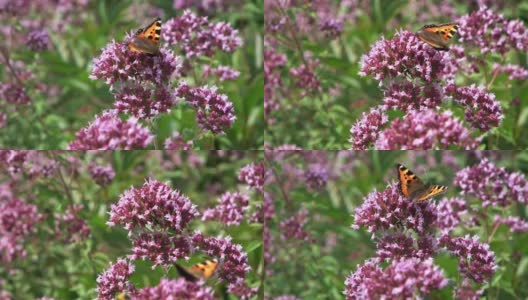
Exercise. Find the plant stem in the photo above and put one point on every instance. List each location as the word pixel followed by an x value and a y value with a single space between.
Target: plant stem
pixel 64 185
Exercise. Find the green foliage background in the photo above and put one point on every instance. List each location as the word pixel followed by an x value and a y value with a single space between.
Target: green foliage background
pixel 69 271
pixel 317 269
pixel 51 123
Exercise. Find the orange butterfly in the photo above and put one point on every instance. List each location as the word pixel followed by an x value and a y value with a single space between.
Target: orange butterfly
pixel 413 188
pixel 437 36
pixel 203 270
pixel 146 40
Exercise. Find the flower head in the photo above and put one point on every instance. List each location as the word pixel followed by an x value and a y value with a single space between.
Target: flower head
pixel 366 130
pixel 13 93
pixel 102 175
pixel 215 112
pixel 389 209
pixel 253 175
pixel 450 212
pixel 273 63
pixel 514 71
pixel 38 40
pixel 467 292
pixel 476 260
pixel 491 32
pixel 222 72
pixel 234 266
pixel 332 28
pixel 402 279
pixel 175 289
pixel 293 227
pixel 71 226
pixel 115 279
pixel 399 245
pixel 492 185
pixel 483 111
pixel 17 222
pixel 230 209
pixel 515 224
pixel 403 55
pixel 160 248
pixel 304 75
pixel 177 142
pixel 109 132
pixel 425 130
pixel 196 36
pixel 316 176
pixel 407 96
pixel 144 103
pixel 117 63
pixel 154 204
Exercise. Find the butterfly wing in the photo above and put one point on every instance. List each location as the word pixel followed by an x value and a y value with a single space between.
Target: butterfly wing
pixel 430 192
pixel 203 270
pixel 146 40
pixel 438 36
pixel 409 183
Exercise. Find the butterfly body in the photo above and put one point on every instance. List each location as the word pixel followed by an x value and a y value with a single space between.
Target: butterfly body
pixel 413 188
pixel 438 36
pixel 146 40
pixel 203 270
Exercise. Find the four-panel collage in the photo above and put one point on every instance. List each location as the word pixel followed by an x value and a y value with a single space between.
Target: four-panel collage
pixel 263 149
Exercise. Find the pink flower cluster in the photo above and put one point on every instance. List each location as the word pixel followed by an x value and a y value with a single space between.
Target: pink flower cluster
pixel 402 279
pixel 253 175
pixel 384 210
pixel 156 205
pixel 273 62
pixel 492 185
pixel 102 175
pixel 234 262
pixel 31 163
pixel 293 227
pixel 109 132
pixel 425 130
pixel 14 94
pixel 196 36
pixel 407 96
pixel 160 248
pixel 17 223
pixel 515 224
pixel 118 64
pixel 476 260
pixel 156 217
pixel 115 279
pixel 400 245
pixel 230 209
pixel 450 212
pixel 70 226
pixel 177 142
pixel 215 112
pixel 144 103
pixel 38 40
pixel 175 289
pixel 491 32
pixel 222 72
pixel 482 110
pixel 404 55
pixel 366 130
pixel 304 75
